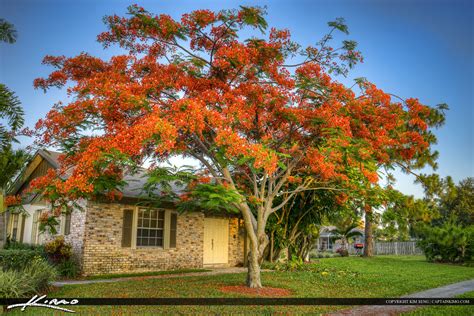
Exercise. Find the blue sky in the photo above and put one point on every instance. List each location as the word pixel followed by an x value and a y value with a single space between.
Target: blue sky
pixel 415 48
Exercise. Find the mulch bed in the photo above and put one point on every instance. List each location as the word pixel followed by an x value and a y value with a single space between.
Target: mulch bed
pixel 265 291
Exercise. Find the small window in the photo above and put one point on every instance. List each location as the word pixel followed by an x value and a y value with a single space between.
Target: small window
pixel 67 223
pixel 150 228
pixel 173 226
pixel 15 220
pixel 127 228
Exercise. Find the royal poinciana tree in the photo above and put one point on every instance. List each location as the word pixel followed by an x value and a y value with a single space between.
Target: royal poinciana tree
pixel 258 113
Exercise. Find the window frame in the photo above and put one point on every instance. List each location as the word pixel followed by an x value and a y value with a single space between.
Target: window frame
pixel 15 224
pixel 160 217
pixel 166 229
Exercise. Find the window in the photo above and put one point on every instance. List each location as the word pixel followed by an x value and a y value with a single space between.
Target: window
pixel 35 227
pixel 173 226
pixel 143 227
pixel 150 228
pixel 14 231
pixel 127 228
pixel 67 223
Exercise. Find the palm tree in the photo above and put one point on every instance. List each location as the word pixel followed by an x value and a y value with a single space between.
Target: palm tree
pixel 10 107
pixel 11 112
pixel 7 32
pixel 344 232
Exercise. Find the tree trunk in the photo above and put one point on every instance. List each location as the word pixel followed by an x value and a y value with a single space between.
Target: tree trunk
pixel 253 275
pixel 272 241
pixel 369 243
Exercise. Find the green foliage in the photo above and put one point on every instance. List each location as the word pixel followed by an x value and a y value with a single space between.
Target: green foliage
pixel 453 202
pixel 50 224
pixel 68 268
pixel 448 243
pixel 58 250
pixel 14 284
pixel 163 179
pixel 12 113
pixel 33 278
pixel 8 33
pixel 344 231
pixel 339 24
pixel 253 16
pixel 296 225
pixel 401 217
pixel 11 162
pixel 40 273
pixel 212 197
pixel 11 244
pixel 17 259
pixel 343 252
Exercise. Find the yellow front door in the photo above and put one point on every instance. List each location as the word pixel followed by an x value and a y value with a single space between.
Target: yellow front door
pixel 216 241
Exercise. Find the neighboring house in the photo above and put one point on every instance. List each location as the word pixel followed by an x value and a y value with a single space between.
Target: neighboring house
pixel 327 241
pixel 120 236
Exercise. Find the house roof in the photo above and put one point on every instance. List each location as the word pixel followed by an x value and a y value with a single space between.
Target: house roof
pixel 132 189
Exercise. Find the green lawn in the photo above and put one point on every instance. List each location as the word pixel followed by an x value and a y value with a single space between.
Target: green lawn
pixel 384 276
pixel 130 275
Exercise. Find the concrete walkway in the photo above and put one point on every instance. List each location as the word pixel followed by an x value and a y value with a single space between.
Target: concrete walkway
pixel 447 291
pixel 163 276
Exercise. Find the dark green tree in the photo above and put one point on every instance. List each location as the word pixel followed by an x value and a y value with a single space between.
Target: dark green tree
pixel 452 201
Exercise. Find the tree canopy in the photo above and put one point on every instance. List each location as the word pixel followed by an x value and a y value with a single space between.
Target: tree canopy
pixel 259 113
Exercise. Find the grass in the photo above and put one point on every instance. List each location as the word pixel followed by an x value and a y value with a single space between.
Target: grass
pixel 141 274
pixel 383 276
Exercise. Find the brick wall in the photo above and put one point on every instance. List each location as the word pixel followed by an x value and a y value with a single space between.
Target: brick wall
pixel 103 252
pixel 76 235
pixel 236 243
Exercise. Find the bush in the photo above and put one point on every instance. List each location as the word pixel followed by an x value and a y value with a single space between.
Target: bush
pixel 58 250
pixel 30 280
pixel 68 268
pixel 23 246
pixel 40 273
pixel 14 284
pixel 447 243
pixel 343 252
pixel 16 259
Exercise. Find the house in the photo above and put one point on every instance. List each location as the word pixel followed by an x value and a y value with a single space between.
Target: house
pixel 327 241
pixel 122 236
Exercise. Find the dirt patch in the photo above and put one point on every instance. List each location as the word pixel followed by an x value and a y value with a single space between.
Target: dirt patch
pixel 265 291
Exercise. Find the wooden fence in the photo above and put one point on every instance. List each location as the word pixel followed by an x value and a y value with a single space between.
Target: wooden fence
pixel 392 248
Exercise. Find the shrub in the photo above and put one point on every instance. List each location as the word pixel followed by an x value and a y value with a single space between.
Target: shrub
pixel 16 259
pixel 343 252
pixel 269 265
pixel 40 273
pixel 68 268
pixel 58 250
pixel 295 264
pixel 14 284
pixel 30 280
pixel 23 246
pixel 447 243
